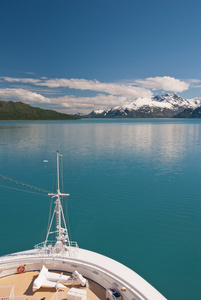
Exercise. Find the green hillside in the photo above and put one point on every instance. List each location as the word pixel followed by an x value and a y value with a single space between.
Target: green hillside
pixel 10 110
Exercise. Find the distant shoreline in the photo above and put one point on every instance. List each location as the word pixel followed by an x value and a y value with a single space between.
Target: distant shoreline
pixel 19 111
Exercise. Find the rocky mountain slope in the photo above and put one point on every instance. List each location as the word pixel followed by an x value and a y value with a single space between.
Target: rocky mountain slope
pixel 190 113
pixel 165 106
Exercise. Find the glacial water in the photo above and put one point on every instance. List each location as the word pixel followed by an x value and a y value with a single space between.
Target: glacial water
pixel 135 193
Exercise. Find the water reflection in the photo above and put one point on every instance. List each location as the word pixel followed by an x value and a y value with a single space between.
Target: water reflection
pixel 167 142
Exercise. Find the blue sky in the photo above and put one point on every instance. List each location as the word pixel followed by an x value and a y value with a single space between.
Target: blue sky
pixel 76 55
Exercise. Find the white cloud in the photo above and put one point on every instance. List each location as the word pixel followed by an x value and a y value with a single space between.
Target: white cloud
pixel 71 103
pixel 94 85
pixel 108 94
pixel 23 80
pixel 87 104
pixel 194 81
pixel 83 84
pixel 165 83
pixel 23 95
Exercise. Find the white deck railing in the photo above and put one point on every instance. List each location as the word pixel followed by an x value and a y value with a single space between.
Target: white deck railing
pixel 59 295
pixel 62 295
pixel 50 248
pixel 7 293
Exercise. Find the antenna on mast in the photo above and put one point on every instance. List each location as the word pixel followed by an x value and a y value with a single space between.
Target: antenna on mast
pixel 62 237
pixel 58 190
pixel 62 244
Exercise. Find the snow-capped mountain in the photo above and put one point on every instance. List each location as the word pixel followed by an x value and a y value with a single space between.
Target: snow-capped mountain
pixel 164 106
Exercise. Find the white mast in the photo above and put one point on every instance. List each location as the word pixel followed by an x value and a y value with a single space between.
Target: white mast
pixel 62 238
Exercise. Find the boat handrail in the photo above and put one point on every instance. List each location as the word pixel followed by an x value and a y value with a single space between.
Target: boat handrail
pixel 62 295
pixel 50 248
pixel 50 244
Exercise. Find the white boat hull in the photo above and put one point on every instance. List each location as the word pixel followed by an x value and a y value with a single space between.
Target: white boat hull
pixel 104 271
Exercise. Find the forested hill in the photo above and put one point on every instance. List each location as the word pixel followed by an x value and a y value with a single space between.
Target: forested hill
pixel 10 110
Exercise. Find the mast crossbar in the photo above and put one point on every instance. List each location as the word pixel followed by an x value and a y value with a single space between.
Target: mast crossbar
pixel 62 237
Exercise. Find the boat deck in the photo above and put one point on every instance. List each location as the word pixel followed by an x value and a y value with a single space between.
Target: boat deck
pixel 23 288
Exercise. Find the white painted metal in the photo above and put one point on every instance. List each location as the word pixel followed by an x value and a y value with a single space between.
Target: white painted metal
pixel 101 269
pixel 76 294
pixel 62 236
pixel 62 256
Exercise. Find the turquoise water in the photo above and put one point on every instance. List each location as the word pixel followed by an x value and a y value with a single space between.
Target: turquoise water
pixel 134 186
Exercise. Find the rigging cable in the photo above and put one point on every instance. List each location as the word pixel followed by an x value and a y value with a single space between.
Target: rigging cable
pixel 5 186
pixel 24 184
pixel 65 203
pixel 68 224
pixel 49 220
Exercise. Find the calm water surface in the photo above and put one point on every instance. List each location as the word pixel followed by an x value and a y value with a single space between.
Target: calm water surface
pixel 135 193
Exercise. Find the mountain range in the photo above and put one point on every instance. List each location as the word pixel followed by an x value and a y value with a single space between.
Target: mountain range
pixel 164 106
